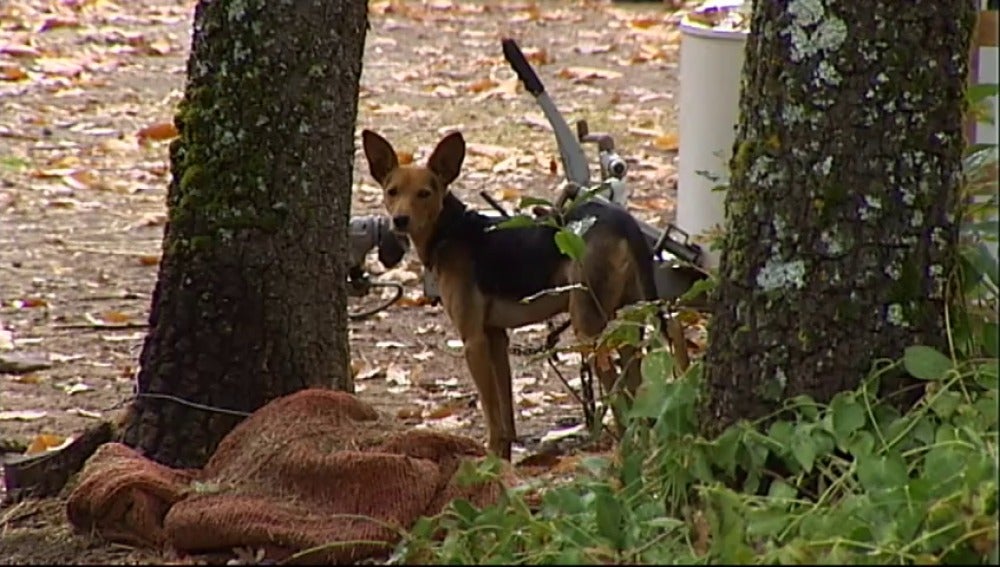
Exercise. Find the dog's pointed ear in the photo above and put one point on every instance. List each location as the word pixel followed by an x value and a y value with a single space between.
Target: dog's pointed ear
pixel 381 156
pixel 446 161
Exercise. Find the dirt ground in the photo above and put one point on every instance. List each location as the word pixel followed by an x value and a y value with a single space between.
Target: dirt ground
pixel 82 196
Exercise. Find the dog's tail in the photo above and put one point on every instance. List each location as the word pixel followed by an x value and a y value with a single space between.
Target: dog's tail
pixel 671 331
pixel 642 254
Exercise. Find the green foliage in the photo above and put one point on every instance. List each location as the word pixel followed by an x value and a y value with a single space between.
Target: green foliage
pixel 852 481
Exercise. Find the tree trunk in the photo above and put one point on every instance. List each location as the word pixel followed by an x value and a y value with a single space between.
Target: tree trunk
pixel 841 215
pixel 250 300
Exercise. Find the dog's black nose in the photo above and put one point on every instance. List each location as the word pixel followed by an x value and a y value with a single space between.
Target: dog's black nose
pixel 401 222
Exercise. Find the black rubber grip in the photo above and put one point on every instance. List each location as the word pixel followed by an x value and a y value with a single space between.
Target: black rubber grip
pixel 512 53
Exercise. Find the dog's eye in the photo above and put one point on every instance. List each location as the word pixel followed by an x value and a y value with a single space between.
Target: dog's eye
pixel 392 192
pixel 424 193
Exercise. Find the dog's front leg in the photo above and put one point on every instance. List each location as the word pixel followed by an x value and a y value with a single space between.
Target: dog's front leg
pixel 500 353
pixel 479 356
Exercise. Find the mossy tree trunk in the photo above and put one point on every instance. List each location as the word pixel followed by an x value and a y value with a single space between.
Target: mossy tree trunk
pixel 250 300
pixel 841 211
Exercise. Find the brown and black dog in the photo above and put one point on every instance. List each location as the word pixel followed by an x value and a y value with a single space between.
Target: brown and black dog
pixel 483 274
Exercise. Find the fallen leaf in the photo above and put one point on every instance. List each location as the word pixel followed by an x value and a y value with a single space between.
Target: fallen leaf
pixel 85 413
pixel 22 415
pixel 558 434
pixel 404 158
pixel 30 378
pixel 56 22
pixel 409 412
pixel 81 179
pixel 6 339
pixel 115 317
pixel 149 259
pixel 643 23
pixel 369 373
pixel 414 301
pixel 12 72
pixel 509 194
pixel 29 303
pixel 45 442
pixel 482 85
pixel 442 412
pixel 159 132
pixel 19 50
pixel 587 74
pixel 667 142
pixel 76 388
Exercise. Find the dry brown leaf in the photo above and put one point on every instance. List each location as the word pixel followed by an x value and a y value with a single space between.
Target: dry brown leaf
pixel 668 142
pixel 19 50
pixel 489 150
pixel 12 72
pixel 442 412
pixel 159 131
pixel 115 317
pixel 585 74
pixel 404 158
pixel 29 302
pixel 482 85
pixel 537 56
pixel 56 22
pixel 159 47
pixel 414 302
pixel 82 179
pixel 409 412
pixel 43 442
pixel 149 260
pixel 30 378
pixel 650 203
pixel 509 194
pixel 567 464
pixel 644 23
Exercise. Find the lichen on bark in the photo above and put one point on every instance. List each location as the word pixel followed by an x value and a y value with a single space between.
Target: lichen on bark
pixel 844 182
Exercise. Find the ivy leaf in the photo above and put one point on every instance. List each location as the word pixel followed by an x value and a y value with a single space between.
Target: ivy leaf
pixel 848 416
pixel 657 365
pixel 516 221
pixel 882 473
pixel 804 448
pixel 570 244
pixel 926 363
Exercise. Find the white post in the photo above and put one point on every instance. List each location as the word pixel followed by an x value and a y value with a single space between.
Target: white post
pixel 711 65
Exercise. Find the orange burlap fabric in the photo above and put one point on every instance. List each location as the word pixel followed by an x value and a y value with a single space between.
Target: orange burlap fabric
pixel 311 469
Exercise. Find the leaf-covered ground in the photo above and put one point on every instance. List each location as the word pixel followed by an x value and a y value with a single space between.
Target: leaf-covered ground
pixel 87 92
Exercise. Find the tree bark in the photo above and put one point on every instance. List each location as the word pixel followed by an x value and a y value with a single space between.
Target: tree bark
pixel 841 214
pixel 250 301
